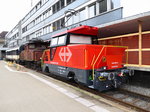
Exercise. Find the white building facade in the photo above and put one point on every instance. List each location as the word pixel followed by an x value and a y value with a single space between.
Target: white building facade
pixel 49 17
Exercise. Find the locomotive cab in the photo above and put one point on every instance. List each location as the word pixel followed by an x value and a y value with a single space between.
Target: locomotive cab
pixel 81 35
pixel 74 54
pixel 72 39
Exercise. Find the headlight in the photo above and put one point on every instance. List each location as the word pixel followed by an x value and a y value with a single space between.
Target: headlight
pixel 123 65
pixel 104 68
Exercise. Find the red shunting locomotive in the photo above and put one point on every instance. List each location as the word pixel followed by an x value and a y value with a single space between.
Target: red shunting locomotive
pixel 74 54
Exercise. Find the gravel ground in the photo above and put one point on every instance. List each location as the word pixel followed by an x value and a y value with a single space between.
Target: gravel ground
pixel 137 89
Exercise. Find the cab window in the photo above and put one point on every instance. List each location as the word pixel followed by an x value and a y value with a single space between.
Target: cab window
pixel 54 41
pixel 58 41
pixel 61 40
pixel 32 46
pixel 79 39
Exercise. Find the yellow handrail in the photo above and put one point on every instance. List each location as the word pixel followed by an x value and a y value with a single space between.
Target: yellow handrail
pixel 127 56
pixel 93 60
pixel 96 61
pixel 85 59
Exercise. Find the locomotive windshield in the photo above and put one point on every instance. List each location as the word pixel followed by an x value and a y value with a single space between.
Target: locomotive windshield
pixel 58 41
pixel 71 39
pixel 31 46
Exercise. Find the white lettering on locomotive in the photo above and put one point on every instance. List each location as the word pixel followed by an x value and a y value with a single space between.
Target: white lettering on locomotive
pixel 115 62
pixel 54 63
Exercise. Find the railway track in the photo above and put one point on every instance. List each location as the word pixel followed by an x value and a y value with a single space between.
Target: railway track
pixel 130 99
pixel 135 101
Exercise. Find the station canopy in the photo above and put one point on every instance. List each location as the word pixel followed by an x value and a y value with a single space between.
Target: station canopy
pixel 125 26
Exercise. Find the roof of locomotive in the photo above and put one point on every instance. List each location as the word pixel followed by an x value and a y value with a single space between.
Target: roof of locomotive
pixel 83 30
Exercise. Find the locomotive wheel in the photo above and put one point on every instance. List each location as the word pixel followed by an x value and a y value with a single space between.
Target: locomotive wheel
pixel 46 70
pixel 76 79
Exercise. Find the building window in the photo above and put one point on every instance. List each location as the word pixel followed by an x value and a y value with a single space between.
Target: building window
pixel 115 4
pixel 32 35
pixel 17 34
pixel 58 24
pixel 102 6
pixel 69 20
pixel 62 22
pixel 45 15
pixel 82 15
pixel 76 18
pixel 27 37
pixel 58 6
pixel 49 12
pixel 50 28
pixel 24 29
pixel 54 26
pixel 44 30
pixel 54 8
pixel 32 11
pixel 62 3
pixel 92 10
pixel 39 33
pixel 68 2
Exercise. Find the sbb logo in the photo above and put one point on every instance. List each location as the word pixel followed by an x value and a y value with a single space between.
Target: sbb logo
pixel 65 54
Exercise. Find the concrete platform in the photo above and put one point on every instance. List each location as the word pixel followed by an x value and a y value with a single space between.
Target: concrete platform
pixel 28 91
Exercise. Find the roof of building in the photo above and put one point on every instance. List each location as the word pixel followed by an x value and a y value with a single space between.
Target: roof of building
pixel 126 25
pixel 2 34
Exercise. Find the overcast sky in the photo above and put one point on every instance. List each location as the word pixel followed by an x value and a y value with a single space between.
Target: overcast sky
pixel 12 11
pixel 132 7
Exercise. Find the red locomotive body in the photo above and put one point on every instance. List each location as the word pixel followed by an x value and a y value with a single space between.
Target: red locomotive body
pixel 87 56
pixel 72 54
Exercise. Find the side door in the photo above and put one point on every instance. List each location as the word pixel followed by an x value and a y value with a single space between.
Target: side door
pixel 52 53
